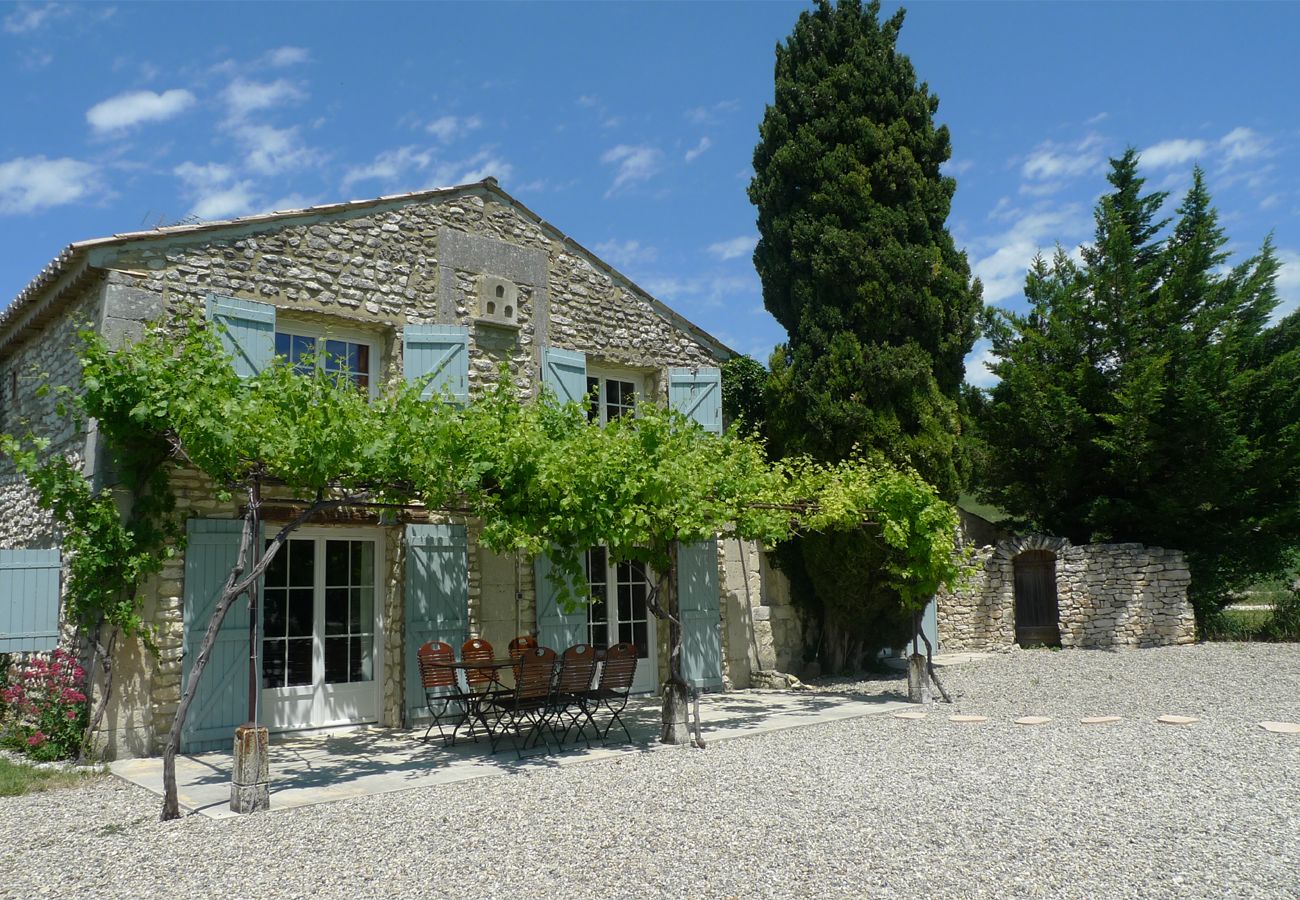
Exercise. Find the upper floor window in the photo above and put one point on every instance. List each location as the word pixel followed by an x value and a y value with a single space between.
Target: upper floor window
pixel 350 357
pixel 611 397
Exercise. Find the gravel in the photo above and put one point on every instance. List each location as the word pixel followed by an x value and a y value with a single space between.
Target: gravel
pixel 868 807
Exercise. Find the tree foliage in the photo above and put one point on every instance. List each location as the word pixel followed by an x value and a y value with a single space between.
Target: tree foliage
pixel 857 265
pixel 1144 396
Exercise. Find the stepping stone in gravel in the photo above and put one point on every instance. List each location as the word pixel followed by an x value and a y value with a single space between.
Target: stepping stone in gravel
pixel 909 715
pixel 1177 720
pixel 971 719
pixel 1033 720
pixel 1099 720
pixel 1281 727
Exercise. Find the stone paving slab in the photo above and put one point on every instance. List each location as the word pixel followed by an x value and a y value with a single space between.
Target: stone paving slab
pixel 321 768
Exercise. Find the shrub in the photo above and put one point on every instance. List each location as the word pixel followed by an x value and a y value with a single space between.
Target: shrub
pixel 1284 625
pixel 45 707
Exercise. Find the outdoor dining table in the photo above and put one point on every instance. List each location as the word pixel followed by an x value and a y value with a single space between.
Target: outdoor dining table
pixel 494 668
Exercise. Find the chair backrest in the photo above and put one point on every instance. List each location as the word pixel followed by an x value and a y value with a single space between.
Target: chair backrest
pixel 521 645
pixel 432 675
pixel 477 650
pixel 533 673
pixel 619 668
pixel 577 668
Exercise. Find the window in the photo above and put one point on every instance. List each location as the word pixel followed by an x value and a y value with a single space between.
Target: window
pixel 349 357
pixel 611 398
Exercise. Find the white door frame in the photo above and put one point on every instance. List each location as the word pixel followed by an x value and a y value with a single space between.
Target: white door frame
pixel 308 707
pixel 647 671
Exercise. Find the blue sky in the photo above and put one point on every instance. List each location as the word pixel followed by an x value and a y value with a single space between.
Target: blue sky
pixel 630 126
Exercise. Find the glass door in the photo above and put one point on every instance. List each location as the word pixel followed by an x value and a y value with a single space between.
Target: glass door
pixel 319 634
pixel 618 612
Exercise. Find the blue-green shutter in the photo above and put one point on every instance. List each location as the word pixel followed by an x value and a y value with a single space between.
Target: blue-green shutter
pixel 556 628
pixel 29 600
pixel 441 354
pixel 249 335
pixel 437 598
pixel 929 626
pixel 697 597
pixel 565 373
pixel 697 394
pixel 221 704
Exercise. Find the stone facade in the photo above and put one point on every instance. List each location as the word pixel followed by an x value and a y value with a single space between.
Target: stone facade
pixel 371 268
pixel 762 632
pixel 1108 596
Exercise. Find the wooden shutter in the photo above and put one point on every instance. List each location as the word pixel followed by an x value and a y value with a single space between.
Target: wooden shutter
pixel 565 373
pixel 697 596
pixel 29 600
pixel 556 628
pixel 221 704
pixel 697 394
pixel 437 598
pixel 249 335
pixel 441 354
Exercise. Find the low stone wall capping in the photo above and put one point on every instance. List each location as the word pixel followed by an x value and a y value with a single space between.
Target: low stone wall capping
pixel 1108 596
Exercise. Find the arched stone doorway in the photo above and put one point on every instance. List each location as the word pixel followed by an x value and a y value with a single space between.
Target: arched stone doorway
pixel 1037 610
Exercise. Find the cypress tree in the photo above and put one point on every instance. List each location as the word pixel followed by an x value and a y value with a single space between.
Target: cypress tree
pixel 857 265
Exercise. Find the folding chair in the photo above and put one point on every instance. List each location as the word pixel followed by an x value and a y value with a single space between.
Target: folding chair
pixel 529 702
pixel 611 692
pixel 521 645
pixel 440 688
pixel 479 682
pixel 577 669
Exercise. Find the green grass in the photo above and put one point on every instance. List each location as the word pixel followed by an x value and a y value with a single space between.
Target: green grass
pixel 16 779
pixel 983 510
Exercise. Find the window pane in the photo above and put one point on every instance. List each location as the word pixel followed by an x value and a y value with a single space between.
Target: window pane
pixel 593 399
pixel 298 663
pixel 336 611
pixel 362 665
pixel 282 344
pixel 336 563
pixel 302 563
pixel 273 618
pixel 640 637
pixel 363 563
pixel 363 612
pixel 301 612
pixel 277 571
pixel 272 664
pixel 336 660
pixel 624 602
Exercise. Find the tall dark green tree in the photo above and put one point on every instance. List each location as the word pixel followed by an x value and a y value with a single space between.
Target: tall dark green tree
pixel 1144 396
pixel 858 266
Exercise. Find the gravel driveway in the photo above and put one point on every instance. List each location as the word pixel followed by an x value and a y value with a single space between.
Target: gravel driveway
pixel 868 807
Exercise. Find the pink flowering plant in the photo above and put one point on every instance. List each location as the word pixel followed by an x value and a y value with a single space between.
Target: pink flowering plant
pixel 45 707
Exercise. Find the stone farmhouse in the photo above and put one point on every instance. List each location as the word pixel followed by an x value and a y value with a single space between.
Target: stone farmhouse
pixel 450 282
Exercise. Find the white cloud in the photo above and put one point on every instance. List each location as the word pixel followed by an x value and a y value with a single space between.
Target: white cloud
pixel 588 101
pixel 1053 160
pixel 1173 153
pixel 1094 120
pixel 977 366
pixel 1242 144
pixel 32 183
pixel 623 254
pixel 390 166
pixel 269 150
pixel 282 57
pixel 636 163
pixel 1002 269
pixel 711 290
pixel 709 115
pixel 1288 284
pixel 957 166
pixel 243 96
pixel 694 153
pixel 134 107
pixel 215 193
pixel 450 128
pixel 734 248
pixel 409 166
pixel 28 17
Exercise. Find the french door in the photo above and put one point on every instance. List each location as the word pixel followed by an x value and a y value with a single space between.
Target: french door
pixel 320 602
pixel 618 613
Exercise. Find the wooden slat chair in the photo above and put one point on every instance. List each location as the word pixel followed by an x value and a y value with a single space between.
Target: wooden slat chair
pixel 529 702
pixel 480 682
pixel 521 645
pixel 441 690
pixel 611 692
pixel 577 669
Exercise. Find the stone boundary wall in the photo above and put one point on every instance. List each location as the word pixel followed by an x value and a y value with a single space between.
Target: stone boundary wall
pixel 761 630
pixel 1108 596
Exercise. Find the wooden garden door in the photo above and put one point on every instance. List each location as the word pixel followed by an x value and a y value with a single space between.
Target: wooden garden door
pixel 1036 607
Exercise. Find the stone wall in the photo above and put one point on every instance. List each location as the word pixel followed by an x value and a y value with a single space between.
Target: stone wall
pixel 761 630
pixel 1108 595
